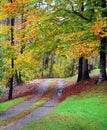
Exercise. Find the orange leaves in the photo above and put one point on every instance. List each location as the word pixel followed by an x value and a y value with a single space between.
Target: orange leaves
pixel 100 28
pixel 84 49
pixel 11 9
pixel 36 18
pixel 22 1
pixel 73 36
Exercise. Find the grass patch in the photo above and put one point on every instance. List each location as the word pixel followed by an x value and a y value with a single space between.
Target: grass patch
pixel 15 118
pixel 81 112
pixel 70 79
pixel 74 78
pixel 4 106
pixel 95 72
pixel 39 103
pixel 23 113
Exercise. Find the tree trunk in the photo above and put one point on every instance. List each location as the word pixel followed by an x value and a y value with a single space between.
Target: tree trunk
pixel 43 66
pixel 72 67
pixel 21 51
pixel 16 78
pixel 103 75
pixel 20 77
pixel 103 44
pixel 12 60
pixel 80 69
pixel 51 65
pixel 83 73
pixel 11 82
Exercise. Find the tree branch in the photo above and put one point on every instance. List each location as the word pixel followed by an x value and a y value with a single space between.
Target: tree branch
pixel 83 17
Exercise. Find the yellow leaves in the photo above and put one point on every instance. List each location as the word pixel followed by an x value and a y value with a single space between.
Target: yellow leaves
pixel 25 60
pixel 35 18
pixel 33 12
pixel 23 1
pixel 73 36
pixel 4 29
pixel 100 28
pixel 24 35
pixel 84 49
pixel 3 16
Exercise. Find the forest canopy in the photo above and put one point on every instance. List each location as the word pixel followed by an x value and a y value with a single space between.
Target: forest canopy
pixel 51 38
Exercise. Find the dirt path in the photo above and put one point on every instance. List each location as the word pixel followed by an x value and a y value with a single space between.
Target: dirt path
pixel 43 87
pixel 42 111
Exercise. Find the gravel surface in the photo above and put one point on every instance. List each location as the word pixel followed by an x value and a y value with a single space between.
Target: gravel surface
pixel 25 105
pixel 41 111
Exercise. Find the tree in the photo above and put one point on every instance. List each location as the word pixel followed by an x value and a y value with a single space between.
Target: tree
pixel 81 13
pixel 87 12
pixel 16 38
pixel 100 29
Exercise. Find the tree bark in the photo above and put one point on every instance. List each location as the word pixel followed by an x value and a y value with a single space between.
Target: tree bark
pixel 21 50
pixel 11 82
pixel 80 69
pixel 51 65
pixel 83 72
pixel 72 67
pixel 103 44
pixel 12 21
pixel 103 75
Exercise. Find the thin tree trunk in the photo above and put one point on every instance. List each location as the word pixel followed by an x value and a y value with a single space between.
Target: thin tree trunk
pixel 72 67
pixel 51 65
pixel 43 66
pixel 20 77
pixel 11 82
pixel 12 21
pixel 21 51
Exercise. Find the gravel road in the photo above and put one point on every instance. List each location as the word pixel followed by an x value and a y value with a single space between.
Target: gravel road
pixel 46 109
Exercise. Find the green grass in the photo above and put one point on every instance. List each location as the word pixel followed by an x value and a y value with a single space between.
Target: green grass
pixel 39 103
pixel 95 72
pixel 82 112
pixel 23 113
pixel 70 79
pixel 4 106
pixel 74 78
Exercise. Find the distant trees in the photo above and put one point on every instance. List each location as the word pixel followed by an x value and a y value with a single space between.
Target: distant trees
pixel 34 35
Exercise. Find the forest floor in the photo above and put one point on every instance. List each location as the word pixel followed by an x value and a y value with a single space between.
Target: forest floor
pixel 50 92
